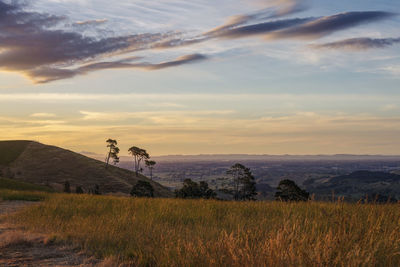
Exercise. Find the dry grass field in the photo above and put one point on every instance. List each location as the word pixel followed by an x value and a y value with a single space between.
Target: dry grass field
pixel 169 232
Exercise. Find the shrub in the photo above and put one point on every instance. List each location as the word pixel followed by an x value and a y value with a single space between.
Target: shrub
pixel 79 190
pixel 288 190
pixel 67 187
pixel 192 189
pixel 142 189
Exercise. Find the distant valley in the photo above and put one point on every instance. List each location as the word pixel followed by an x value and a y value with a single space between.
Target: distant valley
pixel 316 173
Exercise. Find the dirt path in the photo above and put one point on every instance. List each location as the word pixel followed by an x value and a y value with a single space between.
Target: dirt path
pixel 21 248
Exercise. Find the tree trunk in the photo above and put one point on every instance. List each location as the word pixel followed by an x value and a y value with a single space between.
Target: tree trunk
pixel 108 158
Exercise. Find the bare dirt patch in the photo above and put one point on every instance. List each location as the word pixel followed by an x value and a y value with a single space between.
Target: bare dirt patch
pixel 21 248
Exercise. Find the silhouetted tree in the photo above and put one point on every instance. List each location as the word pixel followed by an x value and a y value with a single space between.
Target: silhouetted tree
pixel 79 190
pixel 205 191
pixel 138 154
pixel 150 165
pixel 142 189
pixel 95 190
pixel 192 189
pixel 288 190
pixel 113 151
pixel 67 187
pixel 244 185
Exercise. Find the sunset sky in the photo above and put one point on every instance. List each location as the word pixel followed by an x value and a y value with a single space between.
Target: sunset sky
pixel 203 76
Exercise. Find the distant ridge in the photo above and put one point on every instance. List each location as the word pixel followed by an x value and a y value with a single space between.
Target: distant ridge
pixel 40 164
pixel 257 157
pixel 234 157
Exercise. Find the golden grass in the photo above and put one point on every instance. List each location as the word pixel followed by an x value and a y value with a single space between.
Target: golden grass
pixel 16 238
pixel 170 232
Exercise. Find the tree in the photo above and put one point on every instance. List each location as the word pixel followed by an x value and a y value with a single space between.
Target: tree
pixel 244 185
pixel 79 190
pixel 150 165
pixel 67 187
pixel 192 189
pixel 138 154
pixel 142 189
pixel 205 191
pixel 288 190
pixel 113 151
pixel 95 190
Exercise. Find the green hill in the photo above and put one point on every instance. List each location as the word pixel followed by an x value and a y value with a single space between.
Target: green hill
pixel 40 164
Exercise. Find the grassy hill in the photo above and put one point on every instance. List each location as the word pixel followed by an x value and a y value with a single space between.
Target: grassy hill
pixel 40 164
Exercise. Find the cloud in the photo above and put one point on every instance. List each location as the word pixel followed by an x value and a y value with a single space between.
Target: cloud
pixel 30 44
pixel 295 132
pixel 323 26
pixel 42 115
pixel 305 28
pixel 260 28
pixel 393 70
pixel 90 22
pixel 271 10
pixel 390 107
pixel 358 44
pixel 42 47
pixel 48 74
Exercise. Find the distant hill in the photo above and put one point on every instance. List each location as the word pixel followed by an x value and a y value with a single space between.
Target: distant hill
pixel 356 185
pixel 250 157
pixel 41 164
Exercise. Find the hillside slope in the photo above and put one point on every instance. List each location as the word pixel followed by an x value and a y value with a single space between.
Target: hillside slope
pixel 358 184
pixel 43 164
pixel 10 151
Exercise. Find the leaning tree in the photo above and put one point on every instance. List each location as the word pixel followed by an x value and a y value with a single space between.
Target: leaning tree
pixel 139 155
pixel 112 152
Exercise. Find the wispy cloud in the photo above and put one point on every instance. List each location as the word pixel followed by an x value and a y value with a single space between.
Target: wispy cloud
pixel 296 132
pixel 47 74
pixel 358 44
pixel 30 44
pixel 90 22
pixel 43 115
pixel 323 26
pixel 42 47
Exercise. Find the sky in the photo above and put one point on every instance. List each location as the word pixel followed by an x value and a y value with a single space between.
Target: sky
pixel 202 76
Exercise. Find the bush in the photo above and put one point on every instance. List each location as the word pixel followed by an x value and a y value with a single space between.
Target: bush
pixel 79 190
pixel 142 189
pixel 290 191
pixel 95 190
pixel 67 187
pixel 192 189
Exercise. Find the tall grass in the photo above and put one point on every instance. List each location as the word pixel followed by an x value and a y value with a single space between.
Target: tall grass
pixel 169 232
